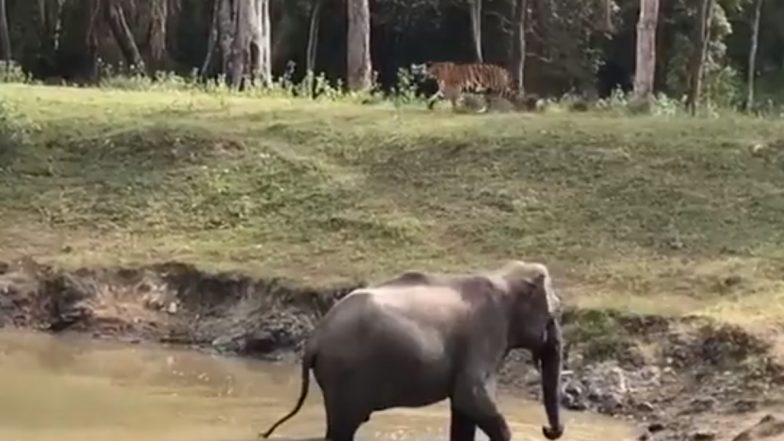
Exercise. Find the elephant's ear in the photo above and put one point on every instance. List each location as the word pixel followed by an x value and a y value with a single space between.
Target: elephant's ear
pixel 544 285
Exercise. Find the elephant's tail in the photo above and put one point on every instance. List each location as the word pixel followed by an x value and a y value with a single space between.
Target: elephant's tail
pixel 308 360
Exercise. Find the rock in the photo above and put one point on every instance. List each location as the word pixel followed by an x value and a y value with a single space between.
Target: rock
pixel 573 396
pixel 610 403
pixel 645 407
pixel 618 380
pixel 574 403
pixel 604 385
pixel 226 343
pixel 743 406
pixel 702 404
pixel 260 342
pixel 769 427
pixel 655 427
pixel 153 301
pixel 703 435
pixel 532 378
pixel 573 388
pixel 172 309
pixel 651 374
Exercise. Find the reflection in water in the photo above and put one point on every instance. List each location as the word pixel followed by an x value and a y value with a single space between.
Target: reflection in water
pixel 57 388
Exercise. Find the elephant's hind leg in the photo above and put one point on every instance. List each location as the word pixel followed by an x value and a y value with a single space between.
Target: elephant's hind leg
pixel 345 413
pixel 330 422
pixel 344 427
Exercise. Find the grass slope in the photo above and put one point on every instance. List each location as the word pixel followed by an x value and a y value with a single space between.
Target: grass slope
pixel 651 214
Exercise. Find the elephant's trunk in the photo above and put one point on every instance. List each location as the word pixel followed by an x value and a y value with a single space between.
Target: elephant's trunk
pixel 550 356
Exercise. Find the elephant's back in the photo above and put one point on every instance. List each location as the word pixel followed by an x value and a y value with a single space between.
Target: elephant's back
pixel 388 318
pixel 382 345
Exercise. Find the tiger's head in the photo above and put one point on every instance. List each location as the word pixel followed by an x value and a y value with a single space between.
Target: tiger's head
pixel 432 70
pixel 421 70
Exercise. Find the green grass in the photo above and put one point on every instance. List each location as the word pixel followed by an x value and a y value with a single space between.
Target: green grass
pixel 645 213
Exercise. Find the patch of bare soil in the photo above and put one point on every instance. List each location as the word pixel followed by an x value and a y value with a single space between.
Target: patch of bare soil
pixel 680 379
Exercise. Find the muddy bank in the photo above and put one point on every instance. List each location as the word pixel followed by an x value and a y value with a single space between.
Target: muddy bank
pixel 679 379
pixel 166 303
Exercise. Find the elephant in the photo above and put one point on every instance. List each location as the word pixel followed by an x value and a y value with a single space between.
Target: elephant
pixel 421 338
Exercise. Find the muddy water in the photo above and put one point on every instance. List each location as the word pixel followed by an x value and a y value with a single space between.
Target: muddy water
pixel 55 388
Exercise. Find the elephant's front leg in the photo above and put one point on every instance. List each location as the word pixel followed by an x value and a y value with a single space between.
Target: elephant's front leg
pixel 472 399
pixel 461 427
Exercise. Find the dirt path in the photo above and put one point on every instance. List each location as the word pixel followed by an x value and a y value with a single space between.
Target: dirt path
pixel 678 379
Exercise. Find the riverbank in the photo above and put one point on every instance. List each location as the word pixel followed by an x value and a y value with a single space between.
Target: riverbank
pixel 675 378
pixel 663 233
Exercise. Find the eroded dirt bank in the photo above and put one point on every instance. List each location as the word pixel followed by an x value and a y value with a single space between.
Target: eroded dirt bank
pixel 684 379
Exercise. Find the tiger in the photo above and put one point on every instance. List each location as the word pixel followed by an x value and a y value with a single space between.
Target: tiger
pixel 455 78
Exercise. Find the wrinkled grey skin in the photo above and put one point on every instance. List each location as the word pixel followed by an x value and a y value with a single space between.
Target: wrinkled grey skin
pixel 421 338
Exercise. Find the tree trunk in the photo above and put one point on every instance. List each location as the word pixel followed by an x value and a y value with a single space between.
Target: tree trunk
pixel 212 41
pixel 42 20
pixel 645 67
pixel 49 21
pixel 232 60
pixel 603 15
pixel 312 49
pixel 753 55
pixel 476 28
pixel 230 33
pixel 260 55
pixel 122 33
pixel 159 12
pixel 697 63
pixel 313 31
pixel 240 26
pixel 358 51
pixel 518 45
pixel 5 39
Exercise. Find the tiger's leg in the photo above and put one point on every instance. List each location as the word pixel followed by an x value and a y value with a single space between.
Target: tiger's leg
pixel 476 84
pixel 453 94
pixel 485 96
pixel 435 97
pixel 486 105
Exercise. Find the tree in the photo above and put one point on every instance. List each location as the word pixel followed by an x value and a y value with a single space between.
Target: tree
pixel 561 45
pixel 260 49
pixel 212 41
pixel 237 20
pixel 313 32
pixel 753 54
pixel 358 51
pixel 115 17
pixel 156 34
pixel 645 66
pixel 518 45
pixel 476 28
pixel 241 31
pixel 5 39
pixel 605 22
pixel 699 55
